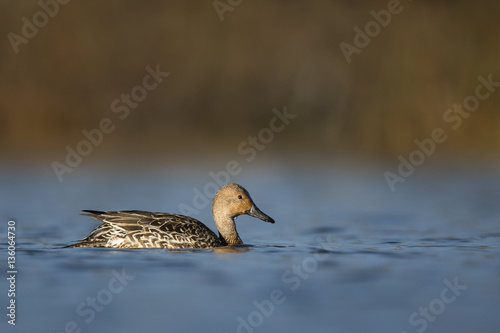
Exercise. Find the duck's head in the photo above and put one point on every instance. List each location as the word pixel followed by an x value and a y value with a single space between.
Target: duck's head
pixel 233 200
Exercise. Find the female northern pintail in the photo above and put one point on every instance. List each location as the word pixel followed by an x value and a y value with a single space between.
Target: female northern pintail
pixel 140 229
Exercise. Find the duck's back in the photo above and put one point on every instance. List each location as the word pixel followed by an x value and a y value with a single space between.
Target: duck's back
pixel 141 229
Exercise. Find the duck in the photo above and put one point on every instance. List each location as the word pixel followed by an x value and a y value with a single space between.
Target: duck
pixel 141 229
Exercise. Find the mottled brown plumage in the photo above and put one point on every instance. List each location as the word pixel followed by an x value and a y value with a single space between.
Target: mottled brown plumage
pixel 141 229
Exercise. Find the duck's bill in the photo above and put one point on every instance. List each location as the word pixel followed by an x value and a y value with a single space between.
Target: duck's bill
pixel 256 212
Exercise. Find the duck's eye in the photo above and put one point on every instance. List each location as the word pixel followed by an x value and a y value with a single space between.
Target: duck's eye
pixel 240 197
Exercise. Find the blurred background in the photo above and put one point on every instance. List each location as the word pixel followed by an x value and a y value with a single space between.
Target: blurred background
pixel 226 76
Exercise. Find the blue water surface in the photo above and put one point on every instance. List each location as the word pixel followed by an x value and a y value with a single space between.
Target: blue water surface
pixel 346 253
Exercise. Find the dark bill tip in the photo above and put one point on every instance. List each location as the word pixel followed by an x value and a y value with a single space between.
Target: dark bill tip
pixel 256 212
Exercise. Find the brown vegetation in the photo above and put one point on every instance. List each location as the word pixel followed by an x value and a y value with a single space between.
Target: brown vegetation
pixel 227 76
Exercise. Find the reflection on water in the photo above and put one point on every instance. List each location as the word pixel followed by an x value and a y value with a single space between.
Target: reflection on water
pixel 231 249
pixel 345 255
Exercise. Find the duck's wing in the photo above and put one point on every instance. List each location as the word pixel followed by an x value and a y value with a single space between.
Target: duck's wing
pixel 141 229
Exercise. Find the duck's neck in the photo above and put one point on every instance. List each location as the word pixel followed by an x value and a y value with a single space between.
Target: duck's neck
pixel 227 230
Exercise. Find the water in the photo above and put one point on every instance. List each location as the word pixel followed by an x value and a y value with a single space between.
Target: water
pixel 345 255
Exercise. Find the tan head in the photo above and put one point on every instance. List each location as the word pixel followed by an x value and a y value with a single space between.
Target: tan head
pixel 233 200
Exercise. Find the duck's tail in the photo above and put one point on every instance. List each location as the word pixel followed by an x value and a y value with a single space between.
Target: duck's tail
pixel 84 243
